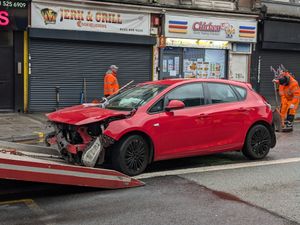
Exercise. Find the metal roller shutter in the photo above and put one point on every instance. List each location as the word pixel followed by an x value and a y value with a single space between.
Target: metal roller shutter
pixel 66 64
pixel 289 59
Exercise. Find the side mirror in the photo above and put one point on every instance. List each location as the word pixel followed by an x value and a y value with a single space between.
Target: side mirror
pixel 174 104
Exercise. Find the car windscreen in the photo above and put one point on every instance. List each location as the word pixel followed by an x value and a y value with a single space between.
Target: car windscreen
pixel 135 97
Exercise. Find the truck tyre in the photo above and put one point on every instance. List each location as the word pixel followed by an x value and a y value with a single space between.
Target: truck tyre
pixel 258 142
pixel 130 155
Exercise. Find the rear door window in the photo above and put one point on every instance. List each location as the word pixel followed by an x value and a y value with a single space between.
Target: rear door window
pixel 241 91
pixel 221 93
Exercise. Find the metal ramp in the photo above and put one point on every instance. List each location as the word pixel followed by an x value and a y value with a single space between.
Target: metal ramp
pixel 39 164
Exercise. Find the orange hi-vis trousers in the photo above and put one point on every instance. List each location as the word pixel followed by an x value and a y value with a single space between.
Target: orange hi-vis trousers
pixel 290 96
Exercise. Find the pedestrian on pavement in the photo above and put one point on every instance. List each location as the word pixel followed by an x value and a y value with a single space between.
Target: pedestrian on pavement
pixel 111 85
pixel 289 93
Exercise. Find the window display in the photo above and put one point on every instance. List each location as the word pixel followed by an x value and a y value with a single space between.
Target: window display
pixel 204 63
pixel 194 63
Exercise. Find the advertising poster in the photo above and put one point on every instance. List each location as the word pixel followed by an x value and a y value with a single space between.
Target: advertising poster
pixel 205 70
pixel 199 67
pixel 186 64
pixel 173 73
pixel 216 58
pixel 176 59
pixel 165 66
pixel 190 68
pixel 170 65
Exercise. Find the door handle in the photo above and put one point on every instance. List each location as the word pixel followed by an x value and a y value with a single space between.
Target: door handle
pixel 202 115
pixel 242 109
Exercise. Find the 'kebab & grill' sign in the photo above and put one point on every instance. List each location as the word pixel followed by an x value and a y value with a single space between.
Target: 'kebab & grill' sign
pixel 75 18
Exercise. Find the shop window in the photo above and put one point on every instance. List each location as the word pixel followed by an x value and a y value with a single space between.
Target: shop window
pixel 193 63
pixel 242 48
pixel 204 63
pixel 6 38
pixel 190 94
pixel 172 59
pixel 221 93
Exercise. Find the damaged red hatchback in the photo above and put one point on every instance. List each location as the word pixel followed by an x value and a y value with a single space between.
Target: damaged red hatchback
pixel 165 119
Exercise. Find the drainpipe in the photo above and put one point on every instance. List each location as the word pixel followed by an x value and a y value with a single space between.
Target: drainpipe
pixel 26 73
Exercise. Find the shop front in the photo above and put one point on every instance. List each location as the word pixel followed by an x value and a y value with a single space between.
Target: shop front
pixel 205 47
pixel 72 46
pixel 13 23
pixel 279 45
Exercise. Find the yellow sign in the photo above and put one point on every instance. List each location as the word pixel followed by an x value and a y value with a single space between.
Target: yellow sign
pixel 194 43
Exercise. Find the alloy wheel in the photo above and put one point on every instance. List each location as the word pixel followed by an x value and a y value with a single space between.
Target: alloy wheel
pixel 260 142
pixel 135 155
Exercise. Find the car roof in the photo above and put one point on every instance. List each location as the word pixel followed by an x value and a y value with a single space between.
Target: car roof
pixel 191 80
pixel 165 82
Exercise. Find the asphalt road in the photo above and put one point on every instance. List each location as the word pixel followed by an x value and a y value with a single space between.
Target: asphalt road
pixel 167 200
pixel 257 194
pixel 275 188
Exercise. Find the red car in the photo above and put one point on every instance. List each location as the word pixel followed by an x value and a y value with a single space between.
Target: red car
pixel 165 119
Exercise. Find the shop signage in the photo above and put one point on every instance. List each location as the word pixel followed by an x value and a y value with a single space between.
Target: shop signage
pixel 87 19
pixel 211 28
pixel 4 20
pixel 13 15
pixel 194 43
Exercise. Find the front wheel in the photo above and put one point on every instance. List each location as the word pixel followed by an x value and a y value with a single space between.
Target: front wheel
pixel 131 155
pixel 258 142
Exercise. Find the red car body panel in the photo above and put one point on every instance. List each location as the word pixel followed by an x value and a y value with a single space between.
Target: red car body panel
pixel 180 133
pixel 223 127
pixel 83 114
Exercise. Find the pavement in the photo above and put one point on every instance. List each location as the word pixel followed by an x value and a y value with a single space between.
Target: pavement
pixel 23 127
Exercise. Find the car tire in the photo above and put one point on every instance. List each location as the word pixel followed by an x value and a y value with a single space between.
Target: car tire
pixel 131 155
pixel 258 142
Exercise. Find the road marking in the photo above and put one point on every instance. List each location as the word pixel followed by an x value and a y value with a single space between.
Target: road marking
pixel 16 201
pixel 217 168
pixel 42 215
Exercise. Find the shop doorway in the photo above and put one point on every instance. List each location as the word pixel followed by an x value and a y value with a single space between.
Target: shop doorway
pixel 6 72
pixel 239 68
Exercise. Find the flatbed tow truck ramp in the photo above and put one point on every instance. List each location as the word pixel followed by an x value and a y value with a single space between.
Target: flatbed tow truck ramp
pixel 41 164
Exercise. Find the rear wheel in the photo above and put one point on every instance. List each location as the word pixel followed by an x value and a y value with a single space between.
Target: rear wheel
pixel 258 142
pixel 131 155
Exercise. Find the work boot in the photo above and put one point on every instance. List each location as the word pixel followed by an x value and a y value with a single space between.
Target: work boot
pixel 288 126
pixel 290 118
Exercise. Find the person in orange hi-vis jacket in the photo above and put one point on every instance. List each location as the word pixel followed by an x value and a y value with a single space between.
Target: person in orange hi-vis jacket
pixel 111 85
pixel 289 93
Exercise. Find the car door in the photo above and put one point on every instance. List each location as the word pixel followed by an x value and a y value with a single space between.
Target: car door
pixel 228 114
pixel 186 131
